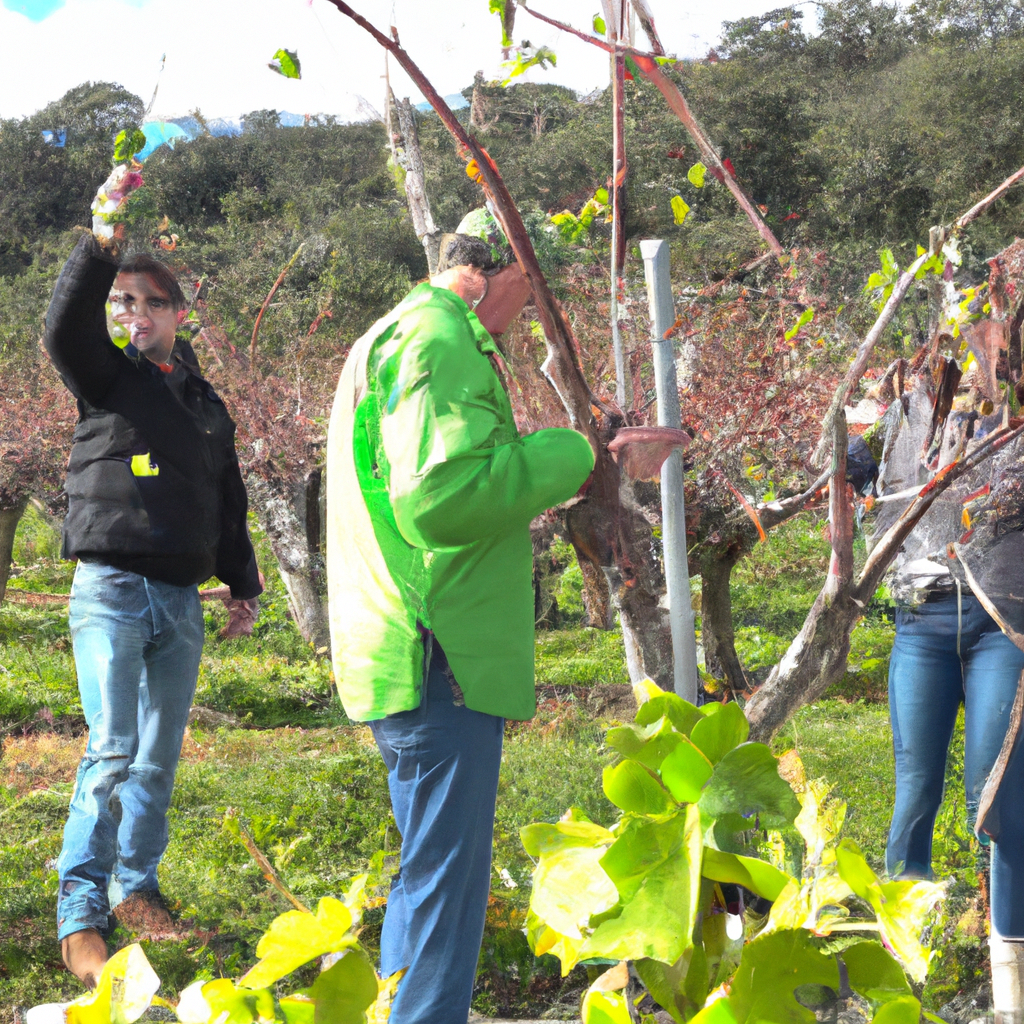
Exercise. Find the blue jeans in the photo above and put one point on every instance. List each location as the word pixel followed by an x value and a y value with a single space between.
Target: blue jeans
pixel 928 680
pixel 137 645
pixel 442 762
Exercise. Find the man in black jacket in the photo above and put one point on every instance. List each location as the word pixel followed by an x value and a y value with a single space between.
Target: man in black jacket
pixel 156 506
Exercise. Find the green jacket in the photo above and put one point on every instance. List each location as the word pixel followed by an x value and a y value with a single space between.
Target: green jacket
pixel 430 493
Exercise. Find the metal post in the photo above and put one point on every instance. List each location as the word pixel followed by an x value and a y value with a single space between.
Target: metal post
pixel 673 523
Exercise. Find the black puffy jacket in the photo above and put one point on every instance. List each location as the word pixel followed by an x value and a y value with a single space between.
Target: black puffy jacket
pixel 153 481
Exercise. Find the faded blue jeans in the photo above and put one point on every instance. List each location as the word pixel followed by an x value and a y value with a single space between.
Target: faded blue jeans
pixel 137 645
pixel 929 677
pixel 442 762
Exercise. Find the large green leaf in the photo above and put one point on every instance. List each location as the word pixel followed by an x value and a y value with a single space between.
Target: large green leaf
pixel 344 991
pixel 665 982
pixel 874 973
pixel 685 771
pixel 718 1012
pixel 294 938
pixel 543 837
pixel 123 993
pixel 718 733
pixel 605 1008
pixel 298 1009
pixel 570 887
pixel 747 781
pixel 649 745
pixel 658 921
pixel 773 966
pixel 231 1005
pixel 641 846
pixel 681 713
pixel 906 1010
pixel 631 787
pixel 903 907
pixel 757 875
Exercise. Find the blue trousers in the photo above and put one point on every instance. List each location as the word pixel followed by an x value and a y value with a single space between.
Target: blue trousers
pixel 442 762
pixel 137 645
pixel 939 659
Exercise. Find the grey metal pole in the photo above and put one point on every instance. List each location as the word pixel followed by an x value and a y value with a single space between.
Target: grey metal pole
pixel 673 525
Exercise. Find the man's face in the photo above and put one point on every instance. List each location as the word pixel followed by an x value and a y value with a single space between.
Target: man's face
pixel 497 299
pixel 148 313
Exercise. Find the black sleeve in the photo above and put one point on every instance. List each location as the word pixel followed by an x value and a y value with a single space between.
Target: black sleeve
pixel 236 560
pixel 76 335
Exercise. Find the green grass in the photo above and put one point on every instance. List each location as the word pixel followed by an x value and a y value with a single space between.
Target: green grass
pixel 310 788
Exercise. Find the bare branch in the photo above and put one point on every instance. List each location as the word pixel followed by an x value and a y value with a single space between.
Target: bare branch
pixel 266 303
pixel 885 550
pixel 863 354
pixel 648 64
pixel 646 19
pixel 561 366
pixel 980 208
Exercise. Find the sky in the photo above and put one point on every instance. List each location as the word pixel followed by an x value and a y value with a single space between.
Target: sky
pixel 217 50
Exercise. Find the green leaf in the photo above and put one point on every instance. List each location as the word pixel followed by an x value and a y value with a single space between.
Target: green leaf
pixel 123 993
pixel 605 1008
pixel 344 991
pixel 695 175
pixel 641 846
pixel 601 196
pixel 506 11
pixel 632 67
pixel 528 57
pixel 718 733
pixel 127 144
pixel 685 771
pixel 681 713
pixel 231 1005
pixel 679 209
pixel 542 837
pixel 719 1012
pixel 757 875
pixel 294 938
pixel 906 1010
pixel 286 62
pixel 665 982
pixel 658 922
pixel 298 1009
pixel 599 26
pixel 631 787
pixel 570 887
pixel 649 746
pixel 747 781
pixel 773 966
pixel 874 972
pixel 903 907
pixel 805 318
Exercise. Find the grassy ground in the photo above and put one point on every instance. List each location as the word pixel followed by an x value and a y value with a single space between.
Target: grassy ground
pixel 310 789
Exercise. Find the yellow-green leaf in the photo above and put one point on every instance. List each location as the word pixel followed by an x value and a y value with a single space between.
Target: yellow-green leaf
pixel 695 175
pixel 570 887
pixel 232 1005
pixel 758 876
pixel 685 771
pixel 286 63
pixel 679 209
pixel 605 1008
pixel 123 991
pixel 631 787
pixel 344 991
pixel 294 938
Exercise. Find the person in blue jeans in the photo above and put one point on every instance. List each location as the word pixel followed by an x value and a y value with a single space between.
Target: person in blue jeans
pixel 156 505
pixel 949 650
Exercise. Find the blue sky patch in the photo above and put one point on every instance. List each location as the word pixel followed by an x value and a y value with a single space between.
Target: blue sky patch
pixel 34 10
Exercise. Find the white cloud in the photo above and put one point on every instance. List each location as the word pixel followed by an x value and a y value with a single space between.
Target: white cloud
pixel 217 50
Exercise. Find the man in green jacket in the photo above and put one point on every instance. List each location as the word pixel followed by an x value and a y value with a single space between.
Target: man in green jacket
pixel 431 490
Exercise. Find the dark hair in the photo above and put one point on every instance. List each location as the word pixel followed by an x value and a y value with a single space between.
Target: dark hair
pixel 159 273
pixel 468 251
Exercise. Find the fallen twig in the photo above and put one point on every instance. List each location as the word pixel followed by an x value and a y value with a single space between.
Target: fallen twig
pixel 234 824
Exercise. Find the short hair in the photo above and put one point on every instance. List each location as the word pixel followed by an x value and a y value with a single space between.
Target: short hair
pixel 158 272
pixel 458 250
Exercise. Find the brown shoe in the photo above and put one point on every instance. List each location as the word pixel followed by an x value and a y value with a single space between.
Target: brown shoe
pixel 84 954
pixel 148 916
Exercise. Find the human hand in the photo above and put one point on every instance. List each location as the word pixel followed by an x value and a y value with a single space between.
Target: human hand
pixel 110 198
pixel 242 614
